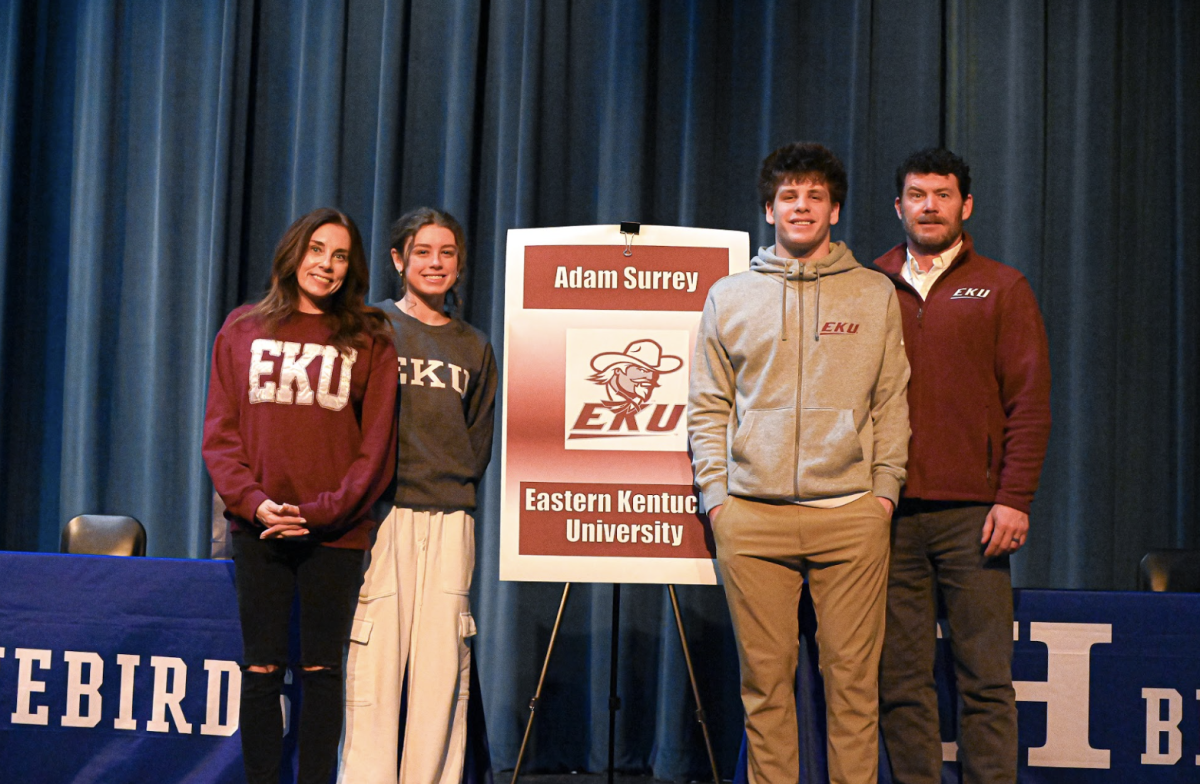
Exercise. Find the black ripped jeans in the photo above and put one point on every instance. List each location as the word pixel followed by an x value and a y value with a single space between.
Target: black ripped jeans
pixel 268 574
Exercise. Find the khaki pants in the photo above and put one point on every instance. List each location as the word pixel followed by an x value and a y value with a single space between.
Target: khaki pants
pixel 765 552
pixel 413 614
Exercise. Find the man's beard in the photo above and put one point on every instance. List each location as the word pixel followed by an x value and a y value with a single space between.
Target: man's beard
pixel 953 234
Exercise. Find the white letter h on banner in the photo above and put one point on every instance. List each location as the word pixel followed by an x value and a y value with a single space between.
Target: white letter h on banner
pixel 1066 692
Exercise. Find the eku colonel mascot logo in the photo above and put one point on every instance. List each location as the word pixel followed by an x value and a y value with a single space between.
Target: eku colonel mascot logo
pixel 632 395
pixel 630 377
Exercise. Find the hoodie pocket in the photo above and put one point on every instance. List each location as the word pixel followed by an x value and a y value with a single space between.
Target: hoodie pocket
pixel 994 446
pixel 762 454
pixel 831 455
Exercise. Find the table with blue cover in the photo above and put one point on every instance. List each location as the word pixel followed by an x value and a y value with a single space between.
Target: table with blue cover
pixel 125 670
pixel 1108 690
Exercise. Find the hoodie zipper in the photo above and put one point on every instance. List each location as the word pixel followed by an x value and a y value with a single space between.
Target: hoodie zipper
pixel 799 378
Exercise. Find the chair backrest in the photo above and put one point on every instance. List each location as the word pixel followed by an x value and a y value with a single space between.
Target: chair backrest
pixel 1170 570
pixel 221 546
pixel 103 535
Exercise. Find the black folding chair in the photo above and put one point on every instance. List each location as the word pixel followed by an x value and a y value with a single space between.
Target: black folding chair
pixel 1170 570
pixel 103 535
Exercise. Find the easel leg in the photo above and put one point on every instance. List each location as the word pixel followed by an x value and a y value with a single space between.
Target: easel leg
pixel 614 702
pixel 687 657
pixel 562 605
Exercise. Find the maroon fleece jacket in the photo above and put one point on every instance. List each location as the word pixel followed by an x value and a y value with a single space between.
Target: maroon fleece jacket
pixel 979 395
pixel 284 423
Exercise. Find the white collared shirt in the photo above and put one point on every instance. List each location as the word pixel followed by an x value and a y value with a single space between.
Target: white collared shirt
pixel 923 281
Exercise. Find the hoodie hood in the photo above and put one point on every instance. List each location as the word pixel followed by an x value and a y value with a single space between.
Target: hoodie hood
pixel 839 259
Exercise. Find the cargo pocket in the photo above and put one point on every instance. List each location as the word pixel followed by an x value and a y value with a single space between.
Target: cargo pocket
pixel 457 558
pixel 466 625
pixel 377 594
pixel 360 631
pixel 360 680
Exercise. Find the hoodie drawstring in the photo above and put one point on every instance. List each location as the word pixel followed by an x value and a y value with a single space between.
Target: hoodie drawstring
pixel 766 262
pixel 783 317
pixel 817 309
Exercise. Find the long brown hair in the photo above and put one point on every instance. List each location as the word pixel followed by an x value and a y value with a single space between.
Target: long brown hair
pixel 404 231
pixel 353 321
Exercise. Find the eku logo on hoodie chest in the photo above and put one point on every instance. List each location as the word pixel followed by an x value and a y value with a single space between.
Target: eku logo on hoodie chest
pixel 839 328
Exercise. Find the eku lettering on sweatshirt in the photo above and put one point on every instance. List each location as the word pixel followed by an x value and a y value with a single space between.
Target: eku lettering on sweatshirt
pixel 446 379
pixel 292 419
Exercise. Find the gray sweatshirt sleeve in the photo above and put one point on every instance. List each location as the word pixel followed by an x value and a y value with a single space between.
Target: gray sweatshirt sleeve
pixel 710 405
pixel 889 411
pixel 481 412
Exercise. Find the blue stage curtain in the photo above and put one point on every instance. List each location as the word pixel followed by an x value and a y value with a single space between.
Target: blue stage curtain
pixel 152 153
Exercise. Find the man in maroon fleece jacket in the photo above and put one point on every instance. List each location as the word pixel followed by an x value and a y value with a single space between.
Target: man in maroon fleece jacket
pixel 979 407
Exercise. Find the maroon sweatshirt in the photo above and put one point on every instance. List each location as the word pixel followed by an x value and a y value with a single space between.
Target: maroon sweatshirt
pixel 293 420
pixel 979 395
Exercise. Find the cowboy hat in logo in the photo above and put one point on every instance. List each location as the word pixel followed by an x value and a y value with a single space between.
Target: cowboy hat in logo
pixel 626 389
pixel 629 377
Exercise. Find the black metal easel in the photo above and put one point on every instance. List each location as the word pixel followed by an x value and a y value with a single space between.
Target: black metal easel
pixel 614 701
pixel 629 229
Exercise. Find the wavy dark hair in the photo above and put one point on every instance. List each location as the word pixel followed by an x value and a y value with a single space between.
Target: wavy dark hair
pixel 405 229
pixel 800 161
pixel 352 320
pixel 935 160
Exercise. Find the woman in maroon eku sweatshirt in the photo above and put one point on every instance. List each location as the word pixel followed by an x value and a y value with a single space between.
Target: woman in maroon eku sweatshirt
pixel 299 437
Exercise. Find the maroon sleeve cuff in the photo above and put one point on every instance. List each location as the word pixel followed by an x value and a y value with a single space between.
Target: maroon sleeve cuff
pixel 313 515
pixel 1020 502
pixel 248 508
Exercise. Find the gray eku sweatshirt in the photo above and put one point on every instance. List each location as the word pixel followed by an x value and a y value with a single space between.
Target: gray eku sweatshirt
pixel 798 383
pixel 446 398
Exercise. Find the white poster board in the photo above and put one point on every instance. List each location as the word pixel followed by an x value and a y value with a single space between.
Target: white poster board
pixel 596 478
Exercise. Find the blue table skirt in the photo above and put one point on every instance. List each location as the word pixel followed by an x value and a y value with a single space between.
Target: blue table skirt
pixel 118 670
pixel 1108 691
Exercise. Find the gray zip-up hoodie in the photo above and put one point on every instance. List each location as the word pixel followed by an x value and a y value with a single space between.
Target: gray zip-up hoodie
pixel 798 383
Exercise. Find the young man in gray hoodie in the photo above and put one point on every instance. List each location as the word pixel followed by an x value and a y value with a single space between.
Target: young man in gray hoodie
pixel 798 424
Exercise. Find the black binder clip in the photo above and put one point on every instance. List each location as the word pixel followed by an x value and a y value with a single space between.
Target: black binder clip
pixel 628 229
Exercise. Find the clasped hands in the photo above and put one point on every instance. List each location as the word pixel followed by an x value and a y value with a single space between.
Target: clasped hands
pixel 283 521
